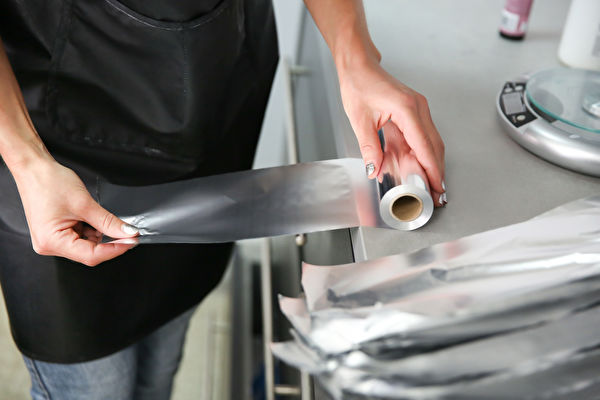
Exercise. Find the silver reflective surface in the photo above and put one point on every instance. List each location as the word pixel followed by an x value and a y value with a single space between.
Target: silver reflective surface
pixel 293 199
pixel 405 200
pixel 509 313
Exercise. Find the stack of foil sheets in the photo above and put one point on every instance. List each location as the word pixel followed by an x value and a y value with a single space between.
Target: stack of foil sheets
pixel 509 313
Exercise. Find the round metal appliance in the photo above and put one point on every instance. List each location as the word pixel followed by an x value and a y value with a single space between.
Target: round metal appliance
pixel 555 114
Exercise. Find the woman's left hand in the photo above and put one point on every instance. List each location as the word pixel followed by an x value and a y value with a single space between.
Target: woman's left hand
pixel 371 98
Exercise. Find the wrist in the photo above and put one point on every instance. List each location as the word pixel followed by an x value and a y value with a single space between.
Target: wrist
pixel 354 54
pixel 26 158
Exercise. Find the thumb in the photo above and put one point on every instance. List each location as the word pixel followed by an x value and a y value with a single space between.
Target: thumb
pixel 107 223
pixel 370 148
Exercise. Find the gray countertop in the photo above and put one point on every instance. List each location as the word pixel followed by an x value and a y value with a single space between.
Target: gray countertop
pixel 451 52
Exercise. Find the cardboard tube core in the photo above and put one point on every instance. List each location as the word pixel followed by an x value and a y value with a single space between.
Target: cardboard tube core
pixel 407 208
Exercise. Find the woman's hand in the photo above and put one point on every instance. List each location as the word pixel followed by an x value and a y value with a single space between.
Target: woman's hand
pixel 371 98
pixel 64 220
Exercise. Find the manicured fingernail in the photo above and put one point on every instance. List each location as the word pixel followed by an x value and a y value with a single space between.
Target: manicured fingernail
pixel 370 168
pixel 441 200
pixel 445 198
pixel 129 229
pixel 132 241
pixel 444 185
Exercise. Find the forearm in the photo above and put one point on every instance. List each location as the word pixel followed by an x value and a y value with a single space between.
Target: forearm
pixel 344 27
pixel 20 145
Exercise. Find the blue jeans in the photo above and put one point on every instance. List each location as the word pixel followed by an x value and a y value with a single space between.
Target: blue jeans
pixel 142 371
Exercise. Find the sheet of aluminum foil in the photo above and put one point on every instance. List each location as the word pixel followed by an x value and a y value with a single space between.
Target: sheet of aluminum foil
pixel 509 313
pixel 285 200
pixel 292 199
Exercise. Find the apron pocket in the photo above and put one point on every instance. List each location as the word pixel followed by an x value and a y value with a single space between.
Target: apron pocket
pixel 124 82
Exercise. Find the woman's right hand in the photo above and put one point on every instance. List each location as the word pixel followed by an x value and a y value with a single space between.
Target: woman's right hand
pixel 63 218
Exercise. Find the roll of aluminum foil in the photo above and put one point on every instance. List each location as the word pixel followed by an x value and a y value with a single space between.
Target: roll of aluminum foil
pixel 285 200
pixel 509 313
pixel 405 199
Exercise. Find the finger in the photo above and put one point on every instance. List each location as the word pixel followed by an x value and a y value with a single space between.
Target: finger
pixel 134 240
pixel 407 119
pixel 370 146
pixel 439 148
pixel 87 252
pixel 105 222
pixel 439 199
pixel 436 138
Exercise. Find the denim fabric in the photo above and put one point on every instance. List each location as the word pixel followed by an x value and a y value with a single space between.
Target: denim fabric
pixel 142 371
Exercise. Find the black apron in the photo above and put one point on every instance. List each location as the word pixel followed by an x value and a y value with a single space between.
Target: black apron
pixel 134 92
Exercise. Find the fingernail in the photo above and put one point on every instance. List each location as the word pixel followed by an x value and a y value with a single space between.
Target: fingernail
pixel 129 229
pixel 444 185
pixel 445 198
pixel 441 200
pixel 132 241
pixel 370 168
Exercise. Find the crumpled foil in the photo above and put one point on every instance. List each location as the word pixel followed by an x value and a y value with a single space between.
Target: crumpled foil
pixel 509 313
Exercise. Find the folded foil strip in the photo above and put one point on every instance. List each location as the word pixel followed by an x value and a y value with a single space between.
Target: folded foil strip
pixel 509 313
pixel 379 332
pixel 574 377
pixel 567 234
pixel 285 200
pixel 469 360
pixel 525 371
